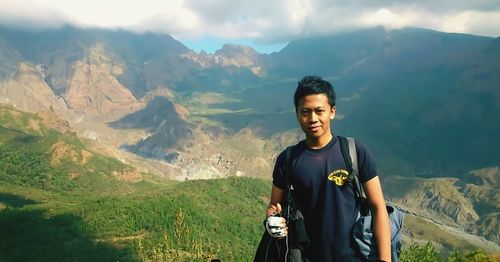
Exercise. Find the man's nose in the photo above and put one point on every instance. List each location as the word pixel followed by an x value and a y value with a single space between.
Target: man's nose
pixel 314 117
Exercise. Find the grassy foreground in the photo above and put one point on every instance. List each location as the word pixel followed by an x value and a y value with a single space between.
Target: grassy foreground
pixel 198 221
pixel 179 221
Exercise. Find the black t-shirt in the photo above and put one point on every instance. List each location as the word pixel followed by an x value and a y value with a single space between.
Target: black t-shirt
pixel 329 207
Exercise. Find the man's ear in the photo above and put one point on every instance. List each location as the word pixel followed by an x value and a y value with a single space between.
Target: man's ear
pixel 333 112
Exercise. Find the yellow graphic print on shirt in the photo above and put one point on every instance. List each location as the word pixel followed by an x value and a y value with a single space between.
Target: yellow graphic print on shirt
pixel 339 176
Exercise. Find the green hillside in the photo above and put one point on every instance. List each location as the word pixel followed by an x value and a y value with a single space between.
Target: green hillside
pixel 35 155
pixel 58 203
pixel 195 220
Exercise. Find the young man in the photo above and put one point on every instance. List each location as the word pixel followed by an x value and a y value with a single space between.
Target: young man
pixel 327 203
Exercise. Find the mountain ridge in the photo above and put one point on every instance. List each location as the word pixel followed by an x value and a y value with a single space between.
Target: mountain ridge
pixel 430 92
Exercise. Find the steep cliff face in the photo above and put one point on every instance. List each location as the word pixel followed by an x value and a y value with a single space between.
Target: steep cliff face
pixel 94 88
pixel 481 186
pixel 470 203
pixel 440 199
pixel 28 91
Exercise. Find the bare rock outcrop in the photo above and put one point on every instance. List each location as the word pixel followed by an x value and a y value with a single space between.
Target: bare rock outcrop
pixel 94 88
pixel 28 91
pixel 436 199
pixel 229 55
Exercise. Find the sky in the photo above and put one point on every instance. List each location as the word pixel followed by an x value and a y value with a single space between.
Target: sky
pixel 265 25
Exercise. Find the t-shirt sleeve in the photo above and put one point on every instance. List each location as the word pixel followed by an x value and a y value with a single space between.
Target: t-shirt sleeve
pixel 279 179
pixel 366 163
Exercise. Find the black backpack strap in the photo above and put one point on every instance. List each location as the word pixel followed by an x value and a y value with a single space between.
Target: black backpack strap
pixel 348 149
pixel 288 174
pixel 344 148
pixel 288 167
pixel 353 153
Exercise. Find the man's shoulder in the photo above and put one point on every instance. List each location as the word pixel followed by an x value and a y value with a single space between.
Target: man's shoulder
pixel 292 149
pixel 360 145
pixel 366 161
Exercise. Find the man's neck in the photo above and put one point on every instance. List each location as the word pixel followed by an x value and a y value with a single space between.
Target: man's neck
pixel 319 142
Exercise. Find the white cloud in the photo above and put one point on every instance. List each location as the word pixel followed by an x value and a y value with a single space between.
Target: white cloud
pixel 386 17
pixel 33 15
pixel 477 22
pixel 170 16
pixel 261 20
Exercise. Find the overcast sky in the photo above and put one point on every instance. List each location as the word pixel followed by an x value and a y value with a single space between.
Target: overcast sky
pixel 267 25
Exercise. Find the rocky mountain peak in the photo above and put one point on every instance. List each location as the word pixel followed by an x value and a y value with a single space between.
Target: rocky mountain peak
pixel 228 55
pixel 233 50
pixel 240 56
pixel 94 88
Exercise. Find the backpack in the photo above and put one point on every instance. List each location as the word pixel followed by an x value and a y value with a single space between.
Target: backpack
pixel 362 233
pixel 290 248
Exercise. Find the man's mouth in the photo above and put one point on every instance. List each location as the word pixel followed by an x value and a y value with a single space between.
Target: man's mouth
pixel 314 128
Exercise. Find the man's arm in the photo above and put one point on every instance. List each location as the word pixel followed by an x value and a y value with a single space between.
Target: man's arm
pixel 381 226
pixel 274 206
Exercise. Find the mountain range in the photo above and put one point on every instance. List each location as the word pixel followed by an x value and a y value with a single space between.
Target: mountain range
pixel 425 102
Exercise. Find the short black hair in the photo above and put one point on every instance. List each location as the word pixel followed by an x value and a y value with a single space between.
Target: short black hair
pixel 310 85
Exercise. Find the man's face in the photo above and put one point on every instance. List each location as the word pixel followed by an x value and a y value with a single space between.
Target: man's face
pixel 314 114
